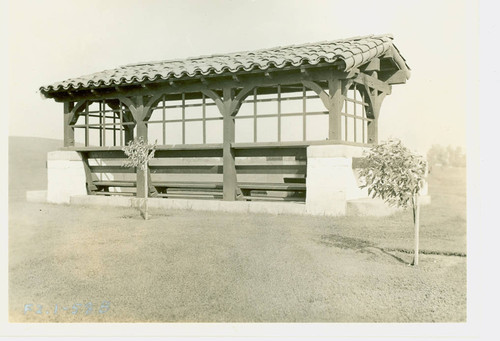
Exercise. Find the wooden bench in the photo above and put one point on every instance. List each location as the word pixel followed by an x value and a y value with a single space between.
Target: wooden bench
pixel 210 190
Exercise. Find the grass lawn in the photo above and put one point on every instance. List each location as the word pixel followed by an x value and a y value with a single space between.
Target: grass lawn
pixel 186 266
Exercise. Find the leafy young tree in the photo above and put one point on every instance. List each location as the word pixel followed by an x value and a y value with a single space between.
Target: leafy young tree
pixel 139 152
pixel 395 174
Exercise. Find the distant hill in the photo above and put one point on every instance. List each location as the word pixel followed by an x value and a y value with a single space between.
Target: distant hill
pixel 27 164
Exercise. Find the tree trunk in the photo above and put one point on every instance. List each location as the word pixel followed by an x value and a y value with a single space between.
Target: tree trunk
pixel 416 222
pixel 146 192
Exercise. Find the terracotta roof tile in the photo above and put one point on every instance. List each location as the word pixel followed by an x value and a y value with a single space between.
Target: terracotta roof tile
pixel 354 52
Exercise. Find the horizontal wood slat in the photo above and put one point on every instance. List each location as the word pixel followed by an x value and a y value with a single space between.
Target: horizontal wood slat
pixel 191 169
pixel 188 184
pixel 213 185
pixel 188 153
pixel 271 169
pixel 187 196
pixel 111 169
pixel 298 152
pixel 129 194
pixel 200 169
pixel 269 198
pixel 272 186
pixel 115 183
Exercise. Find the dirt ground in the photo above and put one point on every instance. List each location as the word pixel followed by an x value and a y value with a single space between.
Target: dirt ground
pixel 184 266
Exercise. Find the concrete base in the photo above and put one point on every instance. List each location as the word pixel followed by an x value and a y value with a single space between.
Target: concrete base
pixel 331 181
pixel 332 188
pixel 357 207
pixel 36 196
pixel 192 204
pixel 65 176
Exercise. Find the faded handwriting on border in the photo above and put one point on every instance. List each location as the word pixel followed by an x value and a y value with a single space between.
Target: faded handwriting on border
pixel 87 308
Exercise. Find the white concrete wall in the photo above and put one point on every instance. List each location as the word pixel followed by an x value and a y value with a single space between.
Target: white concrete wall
pixel 65 176
pixel 331 181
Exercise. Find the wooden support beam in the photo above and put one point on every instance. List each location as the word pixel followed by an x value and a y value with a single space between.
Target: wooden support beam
pixel 398 77
pixel 372 131
pixel 239 98
pixel 88 174
pixel 140 112
pixel 372 65
pixel 228 155
pixel 216 98
pixel 76 110
pixel 376 100
pixel 228 106
pixel 69 132
pixel 235 78
pixel 333 102
pixel 319 91
pixel 351 74
pixel 373 83
pixel 305 73
pixel 216 82
pixel 334 111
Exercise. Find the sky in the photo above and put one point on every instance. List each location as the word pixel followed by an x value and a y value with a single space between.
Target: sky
pixel 54 40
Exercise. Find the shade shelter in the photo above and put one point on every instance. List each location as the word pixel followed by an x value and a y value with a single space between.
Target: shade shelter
pixel 280 124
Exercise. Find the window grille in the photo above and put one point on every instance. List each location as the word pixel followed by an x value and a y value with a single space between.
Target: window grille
pixel 102 123
pixel 354 119
pixel 281 114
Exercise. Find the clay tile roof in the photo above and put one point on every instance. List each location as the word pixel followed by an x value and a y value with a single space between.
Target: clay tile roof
pixel 353 52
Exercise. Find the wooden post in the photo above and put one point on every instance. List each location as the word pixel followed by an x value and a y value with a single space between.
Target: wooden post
pixel 142 131
pixel 373 130
pixel 69 132
pixel 229 164
pixel 145 175
pixel 335 108
pixel 129 129
pixel 88 174
pixel 376 102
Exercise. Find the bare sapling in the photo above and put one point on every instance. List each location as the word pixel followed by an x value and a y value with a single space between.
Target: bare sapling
pixel 139 153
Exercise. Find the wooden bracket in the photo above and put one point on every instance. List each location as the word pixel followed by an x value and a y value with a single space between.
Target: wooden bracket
pixel 325 98
pixel 216 98
pixel 373 83
pixel 75 111
pixel 140 111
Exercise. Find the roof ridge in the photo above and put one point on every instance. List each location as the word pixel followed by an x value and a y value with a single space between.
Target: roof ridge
pixel 387 35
